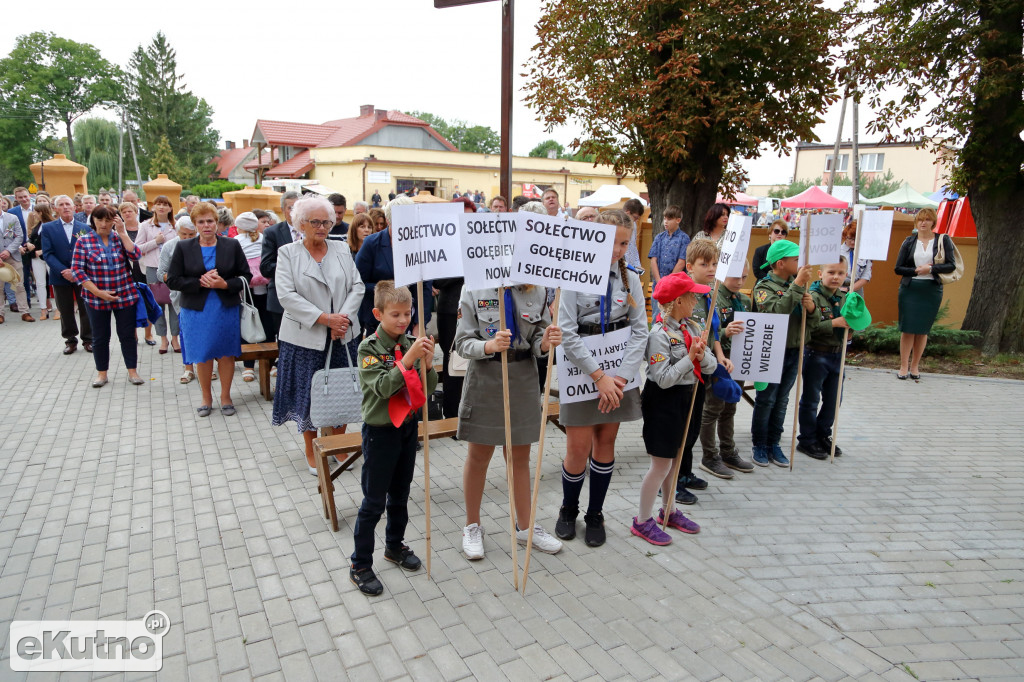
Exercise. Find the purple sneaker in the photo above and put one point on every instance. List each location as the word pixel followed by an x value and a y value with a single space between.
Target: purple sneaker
pixel 648 530
pixel 678 521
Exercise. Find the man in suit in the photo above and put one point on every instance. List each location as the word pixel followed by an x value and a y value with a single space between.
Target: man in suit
pixel 23 205
pixel 274 237
pixel 88 204
pixel 133 198
pixel 59 238
pixel 340 228
pixel 11 239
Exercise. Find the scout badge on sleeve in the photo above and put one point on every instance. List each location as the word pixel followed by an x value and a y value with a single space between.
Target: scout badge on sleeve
pixel 410 398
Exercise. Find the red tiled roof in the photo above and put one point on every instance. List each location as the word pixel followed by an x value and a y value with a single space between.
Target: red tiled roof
pixel 300 164
pixel 229 159
pixel 268 160
pixel 293 134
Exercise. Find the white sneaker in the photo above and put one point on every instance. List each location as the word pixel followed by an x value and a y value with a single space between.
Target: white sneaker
pixel 473 541
pixel 542 540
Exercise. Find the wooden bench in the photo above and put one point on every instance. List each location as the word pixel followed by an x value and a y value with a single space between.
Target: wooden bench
pixel 264 354
pixel 348 447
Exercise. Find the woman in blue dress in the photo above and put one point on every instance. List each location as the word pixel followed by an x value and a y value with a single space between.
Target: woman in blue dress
pixel 210 323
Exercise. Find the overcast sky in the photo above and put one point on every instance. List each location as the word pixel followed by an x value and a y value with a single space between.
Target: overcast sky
pixel 325 59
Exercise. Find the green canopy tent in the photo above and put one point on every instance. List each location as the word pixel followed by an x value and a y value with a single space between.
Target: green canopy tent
pixel 904 197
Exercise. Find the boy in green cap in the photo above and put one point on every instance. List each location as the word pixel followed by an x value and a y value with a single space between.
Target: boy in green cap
pixel 822 356
pixel 783 291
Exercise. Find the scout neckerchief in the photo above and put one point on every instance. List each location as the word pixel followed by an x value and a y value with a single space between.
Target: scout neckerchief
pixel 606 303
pixel 510 316
pixel 833 299
pixel 687 338
pixel 737 302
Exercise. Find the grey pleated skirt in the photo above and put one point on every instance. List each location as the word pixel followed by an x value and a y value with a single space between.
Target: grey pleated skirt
pixel 481 413
pixel 586 413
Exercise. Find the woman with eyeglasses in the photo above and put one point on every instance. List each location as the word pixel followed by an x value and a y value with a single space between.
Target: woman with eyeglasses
pixel 776 231
pixel 320 291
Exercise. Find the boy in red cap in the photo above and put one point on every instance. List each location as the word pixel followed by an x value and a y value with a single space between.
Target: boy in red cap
pixel 392 394
pixel 674 350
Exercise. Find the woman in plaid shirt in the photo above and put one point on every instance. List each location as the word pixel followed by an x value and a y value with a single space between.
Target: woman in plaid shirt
pixel 100 266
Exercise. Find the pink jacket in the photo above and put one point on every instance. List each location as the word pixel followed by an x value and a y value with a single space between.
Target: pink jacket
pixel 146 241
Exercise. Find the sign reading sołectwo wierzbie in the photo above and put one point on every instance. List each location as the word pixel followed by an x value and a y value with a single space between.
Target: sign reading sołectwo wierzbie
pixel 758 350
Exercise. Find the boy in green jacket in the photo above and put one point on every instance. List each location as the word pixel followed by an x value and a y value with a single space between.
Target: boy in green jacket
pixel 392 393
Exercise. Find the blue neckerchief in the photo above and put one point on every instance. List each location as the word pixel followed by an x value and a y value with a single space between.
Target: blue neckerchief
pixel 716 324
pixel 606 303
pixel 511 320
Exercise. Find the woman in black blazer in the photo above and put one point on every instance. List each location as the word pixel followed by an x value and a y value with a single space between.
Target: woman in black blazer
pixel 920 289
pixel 210 325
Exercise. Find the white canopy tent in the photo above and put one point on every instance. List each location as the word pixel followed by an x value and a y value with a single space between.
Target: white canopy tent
pixel 610 194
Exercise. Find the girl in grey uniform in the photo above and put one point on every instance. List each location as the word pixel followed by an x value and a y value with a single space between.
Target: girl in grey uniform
pixel 591 426
pixel 529 335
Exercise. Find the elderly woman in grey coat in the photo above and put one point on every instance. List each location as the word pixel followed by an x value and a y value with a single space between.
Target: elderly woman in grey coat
pixel 320 290
pixel 184 230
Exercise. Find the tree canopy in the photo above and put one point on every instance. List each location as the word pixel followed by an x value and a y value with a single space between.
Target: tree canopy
pixel 97 141
pixel 678 91
pixel 56 81
pixel 466 138
pixel 952 72
pixel 161 106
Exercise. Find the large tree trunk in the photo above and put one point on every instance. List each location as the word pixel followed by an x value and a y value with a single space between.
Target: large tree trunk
pixel 692 197
pixel 996 308
pixel 71 141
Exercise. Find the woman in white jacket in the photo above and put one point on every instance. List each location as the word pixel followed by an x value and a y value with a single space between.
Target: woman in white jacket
pixel 320 290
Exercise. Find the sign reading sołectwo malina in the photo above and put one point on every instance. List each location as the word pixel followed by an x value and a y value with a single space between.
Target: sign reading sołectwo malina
pixel 562 252
pixel 758 351
pixel 425 241
pixel 574 386
pixel 734 247
pixel 488 244
pixel 875 230
pixel 821 237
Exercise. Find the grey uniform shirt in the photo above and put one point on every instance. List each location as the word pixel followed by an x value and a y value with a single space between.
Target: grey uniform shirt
pixel 479 320
pixel 576 309
pixel 668 361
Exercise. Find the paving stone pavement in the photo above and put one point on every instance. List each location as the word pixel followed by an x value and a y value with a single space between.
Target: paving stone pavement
pixel 903 560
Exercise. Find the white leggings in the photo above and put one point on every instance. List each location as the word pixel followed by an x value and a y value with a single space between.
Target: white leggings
pixel 39 270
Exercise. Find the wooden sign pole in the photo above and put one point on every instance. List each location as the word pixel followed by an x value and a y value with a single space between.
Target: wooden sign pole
pixel 426 418
pixel 509 468
pixel 846 338
pixel 540 444
pixel 668 498
pixel 799 378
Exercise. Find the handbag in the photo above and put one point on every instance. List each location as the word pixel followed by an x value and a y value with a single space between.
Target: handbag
pixel 252 328
pixel 334 394
pixel 161 292
pixel 457 365
pixel 958 261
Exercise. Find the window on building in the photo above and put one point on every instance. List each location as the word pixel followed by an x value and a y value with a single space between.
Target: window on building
pixel 844 163
pixel 870 163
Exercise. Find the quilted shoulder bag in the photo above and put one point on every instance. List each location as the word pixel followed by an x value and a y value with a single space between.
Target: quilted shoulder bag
pixel 252 328
pixel 457 364
pixel 335 398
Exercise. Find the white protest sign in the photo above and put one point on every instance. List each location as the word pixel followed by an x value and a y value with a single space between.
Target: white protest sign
pixel 574 386
pixel 562 252
pixel 758 351
pixel 734 247
pixel 488 243
pixel 821 237
pixel 425 242
pixel 875 229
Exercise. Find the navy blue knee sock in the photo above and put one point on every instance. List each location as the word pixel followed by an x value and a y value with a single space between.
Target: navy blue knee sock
pixel 600 479
pixel 572 484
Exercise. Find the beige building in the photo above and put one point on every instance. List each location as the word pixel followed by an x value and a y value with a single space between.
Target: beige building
pixel 388 151
pixel 926 170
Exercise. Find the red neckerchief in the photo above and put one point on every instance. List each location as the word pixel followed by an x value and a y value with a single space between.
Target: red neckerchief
pixel 688 340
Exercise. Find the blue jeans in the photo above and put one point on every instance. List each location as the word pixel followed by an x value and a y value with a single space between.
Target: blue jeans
pixel 389 460
pixel 821 381
pixel 769 420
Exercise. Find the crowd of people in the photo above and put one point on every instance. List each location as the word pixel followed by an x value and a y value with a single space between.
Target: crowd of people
pixel 316 279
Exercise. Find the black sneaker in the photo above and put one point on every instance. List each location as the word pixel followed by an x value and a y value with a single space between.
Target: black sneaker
pixel 366 581
pixel 692 482
pixel 684 496
pixel 813 450
pixel 826 445
pixel 594 535
pixel 565 527
pixel 404 557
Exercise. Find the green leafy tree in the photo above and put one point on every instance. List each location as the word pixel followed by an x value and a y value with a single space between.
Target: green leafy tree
pixel 543 150
pixel 97 141
pixel 58 80
pixel 677 90
pixel 215 189
pixel 161 106
pixel 19 142
pixel 163 160
pixel 958 68
pixel 880 185
pixel 465 137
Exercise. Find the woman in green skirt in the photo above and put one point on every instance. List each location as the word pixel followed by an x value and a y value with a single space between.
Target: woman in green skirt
pixel 920 289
